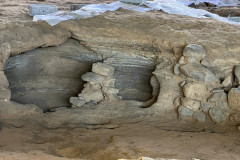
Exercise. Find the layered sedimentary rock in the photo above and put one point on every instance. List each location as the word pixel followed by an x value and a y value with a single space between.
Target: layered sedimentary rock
pixel 47 77
pixel 139 46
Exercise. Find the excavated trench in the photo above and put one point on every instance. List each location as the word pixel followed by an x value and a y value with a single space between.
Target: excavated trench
pixel 126 92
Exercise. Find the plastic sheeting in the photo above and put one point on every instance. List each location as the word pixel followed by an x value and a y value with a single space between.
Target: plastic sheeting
pixel 216 2
pixel 178 7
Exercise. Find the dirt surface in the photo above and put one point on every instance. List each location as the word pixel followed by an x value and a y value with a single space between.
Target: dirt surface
pixel 125 141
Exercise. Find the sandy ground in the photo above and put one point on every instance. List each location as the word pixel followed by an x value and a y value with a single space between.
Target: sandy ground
pixel 125 141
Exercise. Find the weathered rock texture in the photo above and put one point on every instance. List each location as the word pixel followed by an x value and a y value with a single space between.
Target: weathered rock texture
pixel 138 47
pixel 47 77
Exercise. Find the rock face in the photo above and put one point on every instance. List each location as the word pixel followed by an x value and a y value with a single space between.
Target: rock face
pixel 197 72
pixel 48 77
pixel 234 99
pixel 133 75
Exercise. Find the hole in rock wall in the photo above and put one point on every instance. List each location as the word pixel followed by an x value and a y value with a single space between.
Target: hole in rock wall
pixel 133 76
pixel 48 77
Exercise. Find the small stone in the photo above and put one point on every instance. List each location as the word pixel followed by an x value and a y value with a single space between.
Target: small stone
pixel 181 60
pixel 92 77
pixel 184 111
pixel 239 128
pixel 103 69
pixel 197 72
pixel 191 59
pixel 176 70
pixel 192 104
pixel 77 102
pixel 219 96
pixel 234 99
pixel 205 106
pixel 182 83
pixel 200 116
pixel 197 91
pixel 228 82
pixel 218 115
pixel 194 50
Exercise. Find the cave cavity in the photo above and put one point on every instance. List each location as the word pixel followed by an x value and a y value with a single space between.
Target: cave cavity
pixel 48 77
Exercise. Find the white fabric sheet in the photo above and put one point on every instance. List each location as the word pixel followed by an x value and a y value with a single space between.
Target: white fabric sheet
pixel 178 7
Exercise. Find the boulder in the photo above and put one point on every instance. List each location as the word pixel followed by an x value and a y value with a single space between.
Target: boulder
pixel 103 69
pixel 192 104
pixel 234 99
pixel 197 91
pixel 200 116
pixel 194 50
pixel 218 115
pixel 205 106
pixel 184 111
pixel 92 77
pixel 218 96
pixel 197 72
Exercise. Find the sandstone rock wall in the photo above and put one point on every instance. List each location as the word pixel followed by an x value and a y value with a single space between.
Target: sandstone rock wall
pixel 157 39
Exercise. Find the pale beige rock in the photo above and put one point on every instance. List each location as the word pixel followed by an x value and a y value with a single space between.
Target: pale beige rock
pixel 197 91
pixel 227 81
pixel 103 69
pixel 77 101
pixel 194 50
pixel 109 82
pixel 192 104
pixel 234 99
pixel 92 92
